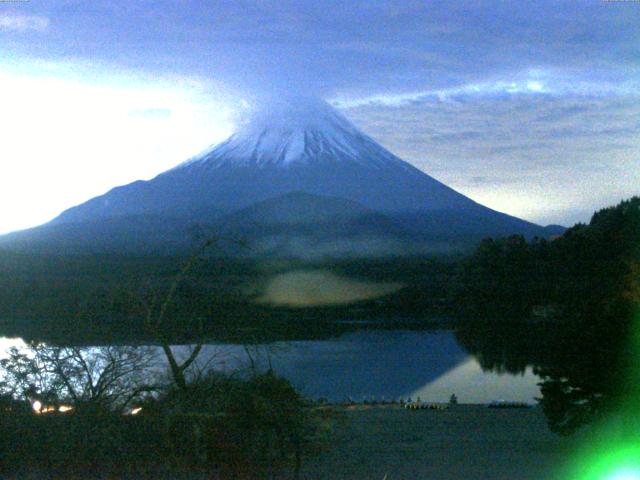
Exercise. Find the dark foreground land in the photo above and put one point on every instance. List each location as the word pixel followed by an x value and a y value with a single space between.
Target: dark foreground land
pixel 466 442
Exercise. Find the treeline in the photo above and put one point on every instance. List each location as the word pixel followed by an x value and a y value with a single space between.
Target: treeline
pixel 100 286
pixel 590 269
pixel 103 298
pixel 66 411
pixel 566 306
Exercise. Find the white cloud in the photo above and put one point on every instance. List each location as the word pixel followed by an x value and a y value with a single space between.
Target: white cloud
pixel 66 140
pixel 529 82
pixel 548 158
pixel 22 23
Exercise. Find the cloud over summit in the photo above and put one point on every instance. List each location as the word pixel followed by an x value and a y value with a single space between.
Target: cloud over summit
pixel 541 94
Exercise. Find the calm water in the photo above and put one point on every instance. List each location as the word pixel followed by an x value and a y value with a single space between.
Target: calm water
pixel 375 365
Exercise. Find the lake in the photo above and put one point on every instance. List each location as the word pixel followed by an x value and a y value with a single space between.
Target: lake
pixel 375 365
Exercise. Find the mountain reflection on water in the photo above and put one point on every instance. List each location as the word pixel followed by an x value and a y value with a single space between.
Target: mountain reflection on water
pixel 389 364
pixel 372 365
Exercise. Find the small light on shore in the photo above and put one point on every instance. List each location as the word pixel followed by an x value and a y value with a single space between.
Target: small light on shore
pixel 136 410
pixel 39 408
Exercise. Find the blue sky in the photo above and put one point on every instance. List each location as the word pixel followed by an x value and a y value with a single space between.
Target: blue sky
pixel 528 107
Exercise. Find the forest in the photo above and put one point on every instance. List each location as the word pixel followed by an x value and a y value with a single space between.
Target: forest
pixel 568 306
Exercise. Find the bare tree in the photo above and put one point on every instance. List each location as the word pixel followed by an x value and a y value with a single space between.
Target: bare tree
pixel 156 320
pixel 110 377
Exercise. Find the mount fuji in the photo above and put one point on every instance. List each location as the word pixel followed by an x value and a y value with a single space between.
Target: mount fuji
pixel 298 179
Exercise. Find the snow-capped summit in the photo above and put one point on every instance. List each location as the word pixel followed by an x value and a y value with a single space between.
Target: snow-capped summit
pixel 292 130
pixel 294 159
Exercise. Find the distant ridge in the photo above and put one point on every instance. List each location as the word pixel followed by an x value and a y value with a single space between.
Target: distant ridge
pixel 295 159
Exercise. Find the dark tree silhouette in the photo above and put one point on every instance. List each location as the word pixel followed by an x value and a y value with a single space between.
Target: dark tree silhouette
pixel 588 281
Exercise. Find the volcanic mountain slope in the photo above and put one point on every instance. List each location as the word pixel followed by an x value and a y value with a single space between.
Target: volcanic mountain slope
pixel 298 145
pixel 303 225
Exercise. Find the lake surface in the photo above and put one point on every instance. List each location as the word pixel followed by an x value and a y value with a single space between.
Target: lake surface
pixel 383 364
pixel 374 365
